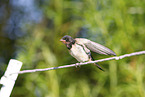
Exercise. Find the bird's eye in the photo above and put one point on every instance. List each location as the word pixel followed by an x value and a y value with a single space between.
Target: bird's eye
pixel 66 39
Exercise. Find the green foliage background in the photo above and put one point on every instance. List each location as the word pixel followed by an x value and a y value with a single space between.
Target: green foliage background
pixel 117 24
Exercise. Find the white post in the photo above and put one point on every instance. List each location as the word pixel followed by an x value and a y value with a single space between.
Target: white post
pixel 8 79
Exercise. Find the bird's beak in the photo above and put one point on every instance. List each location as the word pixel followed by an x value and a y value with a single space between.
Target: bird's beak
pixel 64 41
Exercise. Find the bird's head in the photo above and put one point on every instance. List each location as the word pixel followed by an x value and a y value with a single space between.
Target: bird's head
pixel 67 39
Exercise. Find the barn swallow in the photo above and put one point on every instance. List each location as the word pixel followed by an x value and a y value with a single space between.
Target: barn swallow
pixel 80 48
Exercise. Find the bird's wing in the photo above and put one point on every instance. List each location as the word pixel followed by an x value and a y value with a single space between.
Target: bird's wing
pixel 95 47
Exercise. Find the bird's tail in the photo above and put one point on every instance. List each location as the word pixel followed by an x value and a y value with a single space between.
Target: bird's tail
pixel 98 66
pixel 91 58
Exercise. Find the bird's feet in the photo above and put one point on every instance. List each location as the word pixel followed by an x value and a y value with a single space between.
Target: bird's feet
pixel 77 64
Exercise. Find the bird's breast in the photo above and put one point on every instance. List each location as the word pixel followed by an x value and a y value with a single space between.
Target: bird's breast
pixel 78 52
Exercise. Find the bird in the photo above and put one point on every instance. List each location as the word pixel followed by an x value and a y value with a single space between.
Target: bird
pixel 81 48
